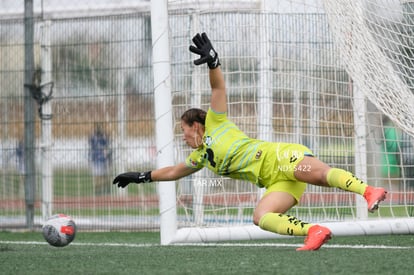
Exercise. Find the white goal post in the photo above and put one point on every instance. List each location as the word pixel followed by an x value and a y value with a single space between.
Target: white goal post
pixel 323 73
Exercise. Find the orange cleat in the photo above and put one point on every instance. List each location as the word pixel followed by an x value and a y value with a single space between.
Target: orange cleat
pixel 317 236
pixel 373 196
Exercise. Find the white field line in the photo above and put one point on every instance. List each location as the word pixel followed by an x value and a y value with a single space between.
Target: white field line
pixel 216 245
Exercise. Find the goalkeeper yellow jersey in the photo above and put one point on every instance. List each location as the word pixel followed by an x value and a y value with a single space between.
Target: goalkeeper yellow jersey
pixel 227 151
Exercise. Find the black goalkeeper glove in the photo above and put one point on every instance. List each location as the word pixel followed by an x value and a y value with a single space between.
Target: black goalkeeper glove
pixel 126 178
pixel 205 50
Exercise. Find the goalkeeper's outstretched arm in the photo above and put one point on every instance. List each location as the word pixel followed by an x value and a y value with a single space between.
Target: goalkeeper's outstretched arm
pixel 168 173
pixel 218 91
pixel 208 55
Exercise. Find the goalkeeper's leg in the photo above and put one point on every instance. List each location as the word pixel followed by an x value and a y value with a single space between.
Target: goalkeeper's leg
pixel 321 174
pixel 269 216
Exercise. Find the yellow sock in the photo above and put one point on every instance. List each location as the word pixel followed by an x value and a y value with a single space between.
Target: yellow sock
pixel 345 181
pixel 284 224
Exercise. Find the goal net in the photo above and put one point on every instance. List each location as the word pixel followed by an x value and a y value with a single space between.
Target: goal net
pixel 334 75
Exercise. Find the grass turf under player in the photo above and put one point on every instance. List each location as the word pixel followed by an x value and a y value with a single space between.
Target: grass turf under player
pixel 282 168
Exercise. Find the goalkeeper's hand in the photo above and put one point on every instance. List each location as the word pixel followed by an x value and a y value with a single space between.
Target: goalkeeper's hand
pixel 126 178
pixel 205 50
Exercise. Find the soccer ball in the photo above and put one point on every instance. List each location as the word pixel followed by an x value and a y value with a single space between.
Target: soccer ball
pixel 59 230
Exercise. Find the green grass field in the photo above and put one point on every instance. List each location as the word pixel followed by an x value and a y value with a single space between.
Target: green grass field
pixel 140 253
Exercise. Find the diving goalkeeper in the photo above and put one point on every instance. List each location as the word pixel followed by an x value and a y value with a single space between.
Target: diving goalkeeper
pixel 282 168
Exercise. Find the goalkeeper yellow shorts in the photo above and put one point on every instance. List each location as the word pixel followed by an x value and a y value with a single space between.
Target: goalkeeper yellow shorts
pixel 277 173
pixel 295 188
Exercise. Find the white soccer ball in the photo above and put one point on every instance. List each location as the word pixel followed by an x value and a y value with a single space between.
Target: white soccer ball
pixel 59 230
